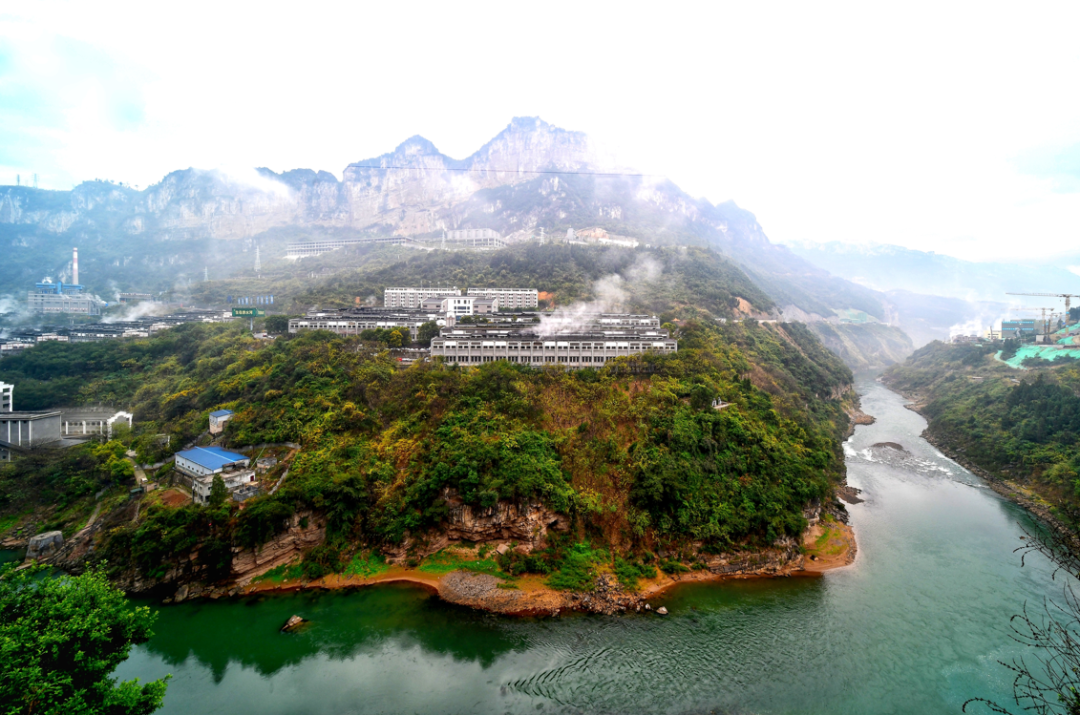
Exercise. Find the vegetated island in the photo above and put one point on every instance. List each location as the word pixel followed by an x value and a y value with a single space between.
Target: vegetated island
pixel 1018 429
pixel 500 484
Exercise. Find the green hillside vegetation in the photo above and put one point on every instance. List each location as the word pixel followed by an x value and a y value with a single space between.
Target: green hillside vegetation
pixel 655 279
pixel 1020 426
pixel 634 453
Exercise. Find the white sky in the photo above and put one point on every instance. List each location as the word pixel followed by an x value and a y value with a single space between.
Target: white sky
pixel 947 127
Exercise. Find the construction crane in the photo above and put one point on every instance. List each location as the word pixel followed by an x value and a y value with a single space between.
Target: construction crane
pixel 1066 296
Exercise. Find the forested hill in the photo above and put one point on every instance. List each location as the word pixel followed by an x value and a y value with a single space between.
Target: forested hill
pixel 653 280
pixel 635 456
pixel 1018 425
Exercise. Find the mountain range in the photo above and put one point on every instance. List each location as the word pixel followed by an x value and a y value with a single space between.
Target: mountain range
pixel 532 175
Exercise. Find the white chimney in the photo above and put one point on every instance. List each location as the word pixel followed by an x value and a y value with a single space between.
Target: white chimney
pixel 75 268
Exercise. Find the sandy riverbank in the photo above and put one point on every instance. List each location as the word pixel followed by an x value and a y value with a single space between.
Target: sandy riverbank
pixel 827 545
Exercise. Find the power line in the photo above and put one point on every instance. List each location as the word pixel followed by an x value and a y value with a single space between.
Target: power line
pixel 506 171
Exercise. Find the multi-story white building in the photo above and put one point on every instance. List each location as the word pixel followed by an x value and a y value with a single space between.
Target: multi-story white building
pixel 7 397
pixel 355 321
pixel 510 298
pixel 457 306
pixel 413 298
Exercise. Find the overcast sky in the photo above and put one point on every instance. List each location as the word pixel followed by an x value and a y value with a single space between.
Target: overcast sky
pixel 953 128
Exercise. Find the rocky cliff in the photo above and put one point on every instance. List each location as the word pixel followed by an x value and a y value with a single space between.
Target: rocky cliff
pixel 414 190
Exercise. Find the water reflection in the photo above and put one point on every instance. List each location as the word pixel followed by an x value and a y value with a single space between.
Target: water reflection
pixel 344 624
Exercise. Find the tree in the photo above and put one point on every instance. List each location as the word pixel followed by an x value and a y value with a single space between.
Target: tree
pixel 61 638
pixel 218 492
pixel 277 324
pixel 395 339
pixel 426 332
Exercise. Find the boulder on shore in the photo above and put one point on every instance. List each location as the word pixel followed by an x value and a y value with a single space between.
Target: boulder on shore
pixel 292 624
pixel 661 611
pixel 44 544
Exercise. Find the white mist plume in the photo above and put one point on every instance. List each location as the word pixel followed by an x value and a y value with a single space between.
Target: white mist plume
pixel 611 295
pixel 251 179
pixel 137 311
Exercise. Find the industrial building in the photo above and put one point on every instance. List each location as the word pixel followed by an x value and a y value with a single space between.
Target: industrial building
pixel 201 464
pixel 1021 328
pixel 476 238
pixel 573 350
pixel 29 430
pixel 84 422
pixel 413 298
pixel 353 321
pixel 7 400
pixel 459 305
pixel 317 248
pixel 63 298
pixel 510 298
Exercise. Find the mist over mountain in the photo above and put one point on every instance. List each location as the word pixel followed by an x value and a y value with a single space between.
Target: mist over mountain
pixel 895 268
pixel 532 175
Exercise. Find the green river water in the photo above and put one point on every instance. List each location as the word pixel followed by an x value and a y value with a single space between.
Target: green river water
pixel 916 625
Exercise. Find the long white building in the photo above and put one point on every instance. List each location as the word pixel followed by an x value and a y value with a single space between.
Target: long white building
pixel 413 298
pixel 569 350
pixel 353 321
pixel 516 298
pixel 476 237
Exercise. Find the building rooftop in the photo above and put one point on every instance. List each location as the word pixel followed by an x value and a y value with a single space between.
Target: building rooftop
pixel 221 413
pixel 28 415
pixel 211 457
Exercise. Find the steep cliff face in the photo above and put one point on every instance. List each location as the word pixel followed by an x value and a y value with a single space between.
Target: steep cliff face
pixel 526 523
pixel 417 190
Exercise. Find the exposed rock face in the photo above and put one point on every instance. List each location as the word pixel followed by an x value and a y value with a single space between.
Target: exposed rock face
pixel 282 549
pixel 505 521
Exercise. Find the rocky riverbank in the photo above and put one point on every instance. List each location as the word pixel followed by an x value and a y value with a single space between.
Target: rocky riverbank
pixel 1018 494
pixel 827 545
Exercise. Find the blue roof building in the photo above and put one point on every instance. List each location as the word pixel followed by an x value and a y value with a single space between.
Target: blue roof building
pixel 204 461
pixel 218 418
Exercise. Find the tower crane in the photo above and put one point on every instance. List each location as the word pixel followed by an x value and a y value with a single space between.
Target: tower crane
pixel 1066 296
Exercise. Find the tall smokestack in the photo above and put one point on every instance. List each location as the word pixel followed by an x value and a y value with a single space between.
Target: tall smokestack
pixel 75 268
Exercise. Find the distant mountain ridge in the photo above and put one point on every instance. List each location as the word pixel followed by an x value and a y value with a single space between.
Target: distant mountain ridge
pixel 895 268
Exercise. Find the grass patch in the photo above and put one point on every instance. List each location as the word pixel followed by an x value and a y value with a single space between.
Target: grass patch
pixel 825 545
pixel 366 565
pixel 578 568
pixel 628 572
pixel 672 567
pixel 280 574
pixel 450 559
pixel 7 523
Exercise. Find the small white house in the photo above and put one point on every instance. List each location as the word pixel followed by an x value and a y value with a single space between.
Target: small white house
pixel 218 419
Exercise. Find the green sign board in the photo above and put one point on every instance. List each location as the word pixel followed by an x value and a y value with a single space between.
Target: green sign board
pixel 248 313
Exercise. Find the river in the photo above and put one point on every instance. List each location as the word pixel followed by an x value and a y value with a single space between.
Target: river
pixel 916 625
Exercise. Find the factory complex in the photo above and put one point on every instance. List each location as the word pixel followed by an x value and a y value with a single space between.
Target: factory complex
pixel 93 332
pixel 476 328
pixel 50 298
